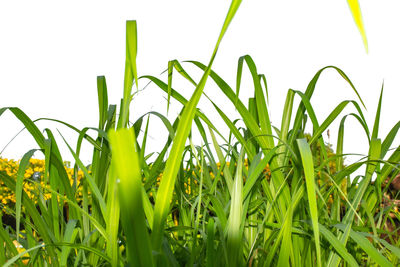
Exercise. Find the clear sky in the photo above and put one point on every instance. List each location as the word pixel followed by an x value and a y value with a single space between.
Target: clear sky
pixel 52 51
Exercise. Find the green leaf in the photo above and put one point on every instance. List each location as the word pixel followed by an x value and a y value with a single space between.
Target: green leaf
pixel 130 71
pixel 339 247
pixel 235 216
pixel 210 251
pixel 308 167
pixel 367 246
pixel 19 187
pixel 69 237
pixel 103 100
pixel 125 160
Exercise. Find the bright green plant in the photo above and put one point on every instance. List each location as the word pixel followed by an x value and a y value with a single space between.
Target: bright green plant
pixel 266 195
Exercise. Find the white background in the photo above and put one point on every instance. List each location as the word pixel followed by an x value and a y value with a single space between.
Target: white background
pixel 52 51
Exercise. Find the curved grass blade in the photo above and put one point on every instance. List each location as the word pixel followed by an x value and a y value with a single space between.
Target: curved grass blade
pixel 87 137
pixel 331 117
pixel 309 92
pixel 30 126
pixel 163 86
pixel 389 139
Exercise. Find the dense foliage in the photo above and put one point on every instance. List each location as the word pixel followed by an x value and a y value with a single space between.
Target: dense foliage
pixel 266 195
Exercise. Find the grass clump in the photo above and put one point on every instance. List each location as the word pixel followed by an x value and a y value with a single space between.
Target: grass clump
pixel 267 195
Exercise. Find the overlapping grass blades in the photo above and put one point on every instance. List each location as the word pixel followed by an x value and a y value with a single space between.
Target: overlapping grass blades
pixel 164 193
pixel 317 136
pixel 255 198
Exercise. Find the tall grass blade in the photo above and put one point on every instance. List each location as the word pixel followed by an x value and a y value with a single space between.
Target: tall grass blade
pixel 285 124
pixel 103 100
pixel 113 217
pixel 130 71
pixel 69 237
pixel 19 187
pixel 377 117
pixel 165 190
pixel 308 168
pixel 235 216
pixel 210 251
pixel 126 163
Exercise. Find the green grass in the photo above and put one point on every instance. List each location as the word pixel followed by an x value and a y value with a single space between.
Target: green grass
pixel 266 195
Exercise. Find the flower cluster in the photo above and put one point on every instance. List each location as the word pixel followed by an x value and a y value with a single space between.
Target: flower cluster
pixel 35 171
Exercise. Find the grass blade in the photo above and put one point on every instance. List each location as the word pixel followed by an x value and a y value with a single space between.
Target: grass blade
pixel 125 160
pixel 19 187
pixel 339 247
pixel 165 190
pixel 356 12
pixel 235 216
pixel 130 71
pixel 308 166
pixel 367 246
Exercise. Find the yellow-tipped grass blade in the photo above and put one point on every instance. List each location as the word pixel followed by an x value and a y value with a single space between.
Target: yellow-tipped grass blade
pixel 356 12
